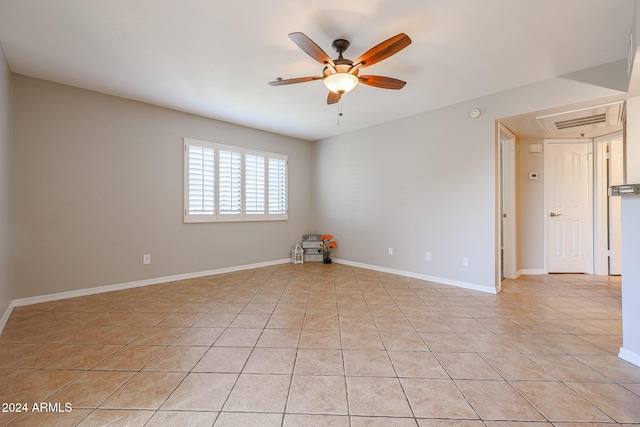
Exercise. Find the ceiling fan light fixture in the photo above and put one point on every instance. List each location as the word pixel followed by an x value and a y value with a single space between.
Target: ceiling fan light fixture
pixel 340 82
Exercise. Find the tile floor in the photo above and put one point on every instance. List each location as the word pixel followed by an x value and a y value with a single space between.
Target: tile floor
pixel 324 345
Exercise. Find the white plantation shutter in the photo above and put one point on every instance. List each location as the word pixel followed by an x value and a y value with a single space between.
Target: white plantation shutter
pixel 230 182
pixel 254 170
pixel 226 183
pixel 277 186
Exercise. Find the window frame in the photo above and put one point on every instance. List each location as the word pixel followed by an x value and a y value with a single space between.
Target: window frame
pixel 242 215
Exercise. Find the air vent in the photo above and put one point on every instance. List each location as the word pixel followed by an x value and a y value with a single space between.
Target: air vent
pixel 584 120
pixel 581 121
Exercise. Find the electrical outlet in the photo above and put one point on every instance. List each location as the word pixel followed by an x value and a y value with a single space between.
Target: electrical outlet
pixel 390 251
pixel 146 259
pixel 465 262
pixel 427 256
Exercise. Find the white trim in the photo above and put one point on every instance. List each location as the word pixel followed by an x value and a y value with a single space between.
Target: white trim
pixel 601 205
pixel 136 284
pixel 532 271
pixel 507 200
pixel 5 316
pixel 629 356
pixel 465 285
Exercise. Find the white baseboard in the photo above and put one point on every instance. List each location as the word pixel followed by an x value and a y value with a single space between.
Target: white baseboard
pixel 138 283
pixel 532 271
pixel 629 356
pixel 465 285
pixel 5 316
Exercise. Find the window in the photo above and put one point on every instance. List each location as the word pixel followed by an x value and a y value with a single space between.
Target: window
pixel 225 183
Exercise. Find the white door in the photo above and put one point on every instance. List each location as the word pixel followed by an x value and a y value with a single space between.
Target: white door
pixel 569 175
pixel 616 164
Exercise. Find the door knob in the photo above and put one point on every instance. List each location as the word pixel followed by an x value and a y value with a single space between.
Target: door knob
pixel 553 214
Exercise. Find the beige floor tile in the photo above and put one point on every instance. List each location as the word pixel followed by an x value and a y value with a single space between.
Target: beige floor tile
pixel 176 359
pixel 460 423
pixel 120 335
pixel 299 420
pixel 318 395
pixel 517 367
pixel 182 419
pixel 417 364
pixel 616 401
pixel 91 388
pixel 403 340
pixel 466 366
pixel 146 390
pixel 50 419
pixel 361 340
pixel 368 363
pixel 531 344
pixel 315 361
pixel 321 321
pixel 238 337
pixel 116 417
pixel 567 368
pixel 259 393
pixel 497 400
pixel 198 337
pixel 129 358
pixel 519 339
pixel 223 360
pixel 84 357
pixel 250 321
pixel 429 324
pixel 382 422
pixel 201 392
pixel 271 361
pixel 377 397
pixel 393 323
pixel 557 402
pixel 320 338
pixel 436 398
pixel 282 338
pixel 613 368
pixel 38 386
pixel 234 419
pixel 285 321
pixel 444 342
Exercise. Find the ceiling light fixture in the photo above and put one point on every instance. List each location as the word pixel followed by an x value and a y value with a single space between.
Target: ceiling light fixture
pixel 340 82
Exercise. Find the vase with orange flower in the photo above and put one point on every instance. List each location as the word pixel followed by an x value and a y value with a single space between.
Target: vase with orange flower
pixel 327 244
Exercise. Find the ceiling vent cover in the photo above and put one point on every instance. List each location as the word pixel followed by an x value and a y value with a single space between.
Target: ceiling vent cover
pixel 581 121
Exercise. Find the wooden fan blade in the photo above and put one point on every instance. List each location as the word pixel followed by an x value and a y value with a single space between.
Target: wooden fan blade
pixel 310 48
pixel 383 50
pixel 292 81
pixel 382 82
pixel 333 97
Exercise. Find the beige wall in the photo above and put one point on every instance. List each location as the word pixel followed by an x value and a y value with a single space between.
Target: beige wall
pixel 530 196
pixel 98 182
pixel 427 183
pixel 6 286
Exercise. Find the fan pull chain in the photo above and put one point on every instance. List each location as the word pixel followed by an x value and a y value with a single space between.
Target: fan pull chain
pixel 339 111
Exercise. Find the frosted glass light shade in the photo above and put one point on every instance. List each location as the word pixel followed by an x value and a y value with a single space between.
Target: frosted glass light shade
pixel 340 82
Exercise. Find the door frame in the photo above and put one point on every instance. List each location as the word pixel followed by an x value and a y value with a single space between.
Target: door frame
pixel 601 202
pixel 546 198
pixel 507 236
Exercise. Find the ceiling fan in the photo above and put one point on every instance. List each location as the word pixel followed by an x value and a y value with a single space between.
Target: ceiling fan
pixel 342 75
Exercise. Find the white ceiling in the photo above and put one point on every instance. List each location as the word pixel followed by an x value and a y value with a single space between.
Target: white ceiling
pixel 214 58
